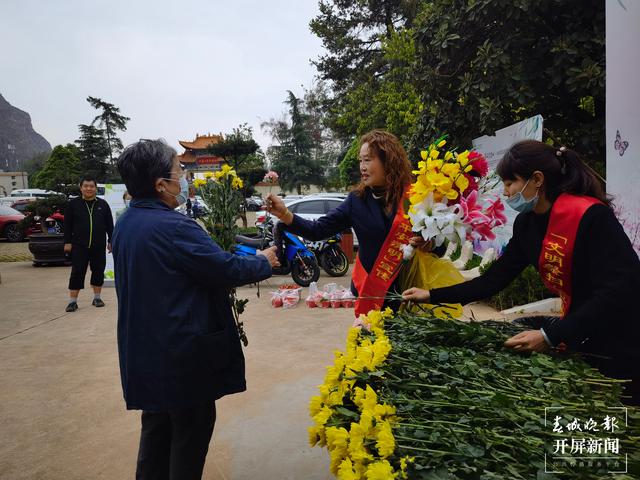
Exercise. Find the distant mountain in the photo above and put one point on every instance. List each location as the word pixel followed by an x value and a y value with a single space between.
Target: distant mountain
pixel 18 140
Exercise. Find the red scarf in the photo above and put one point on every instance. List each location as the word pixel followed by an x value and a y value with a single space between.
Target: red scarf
pixel 556 257
pixel 386 267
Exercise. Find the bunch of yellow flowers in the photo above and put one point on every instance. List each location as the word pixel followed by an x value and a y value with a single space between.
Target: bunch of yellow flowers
pixel 351 449
pixel 440 174
pixel 226 172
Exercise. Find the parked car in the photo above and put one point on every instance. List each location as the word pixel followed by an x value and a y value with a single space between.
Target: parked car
pixel 21 205
pixel 310 207
pixel 254 203
pixel 9 228
pixel 54 223
pixel 27 194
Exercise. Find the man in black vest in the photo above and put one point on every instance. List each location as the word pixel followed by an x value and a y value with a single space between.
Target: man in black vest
pixel 88 226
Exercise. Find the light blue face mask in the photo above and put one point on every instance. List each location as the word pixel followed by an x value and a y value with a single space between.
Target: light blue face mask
pixel 521 204
pixel 184 190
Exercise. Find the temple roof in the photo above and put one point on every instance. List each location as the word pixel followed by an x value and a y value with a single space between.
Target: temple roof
pixel 201 142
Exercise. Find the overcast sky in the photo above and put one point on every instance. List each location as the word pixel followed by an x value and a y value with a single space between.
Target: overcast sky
pixel 177 68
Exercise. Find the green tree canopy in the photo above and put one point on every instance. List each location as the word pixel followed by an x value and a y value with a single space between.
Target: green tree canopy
pixel 242 152
pixel 420 68
pixel 94 151
pixel 110 121
pixel 483 65
pixel 292 155
pixel 61 171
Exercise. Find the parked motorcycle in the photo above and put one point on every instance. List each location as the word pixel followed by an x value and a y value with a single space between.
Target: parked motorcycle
pixel 296 260
pixel 330 255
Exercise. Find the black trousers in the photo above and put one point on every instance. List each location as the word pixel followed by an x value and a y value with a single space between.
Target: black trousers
pixel 174 444
pixel 81 258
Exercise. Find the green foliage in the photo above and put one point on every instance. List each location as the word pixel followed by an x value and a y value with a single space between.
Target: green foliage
pixel 525 288
pixel 223 198
pixel 43 208
pixel 369 62
pixel 61 172
pixel 465 67
pixel 241 151
pixel 94 152
pixel 350 165
pixel 110 121
pixel 293 155
pixel 467 405
pixel 483 65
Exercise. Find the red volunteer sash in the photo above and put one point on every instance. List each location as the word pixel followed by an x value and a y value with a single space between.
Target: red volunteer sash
pixel 385 269
pixel 556 257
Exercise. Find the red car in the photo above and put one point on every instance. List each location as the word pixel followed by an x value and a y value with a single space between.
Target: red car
pixel 9 227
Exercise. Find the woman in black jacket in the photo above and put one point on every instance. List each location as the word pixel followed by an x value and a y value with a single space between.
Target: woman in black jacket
pixel 567 230
pixel 375 211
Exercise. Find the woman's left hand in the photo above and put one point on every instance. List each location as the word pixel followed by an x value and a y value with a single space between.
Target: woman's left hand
pixel 528 341
pixel 421 244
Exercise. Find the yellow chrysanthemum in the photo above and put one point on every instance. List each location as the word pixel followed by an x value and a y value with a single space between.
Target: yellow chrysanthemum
pixel 384 411
pixel 346 471
pixel 404 462
pixel 338 443
pixel 357 450
pixel 237 183
pixel 315 405
pixel 381 470
pixel 442 143
pixel 316 436
pixel 381 349
pixel 337 438
pixel 323 415
pixel 386 443
pixel 208 174
pixel 199 183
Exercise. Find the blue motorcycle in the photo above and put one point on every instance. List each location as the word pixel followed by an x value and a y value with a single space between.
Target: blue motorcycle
pixel 295 259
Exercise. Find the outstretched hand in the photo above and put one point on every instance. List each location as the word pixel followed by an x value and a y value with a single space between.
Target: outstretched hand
pixel 275 205
pixel 271 255
pixel 527 341
pixel 417 295
pixel 421 244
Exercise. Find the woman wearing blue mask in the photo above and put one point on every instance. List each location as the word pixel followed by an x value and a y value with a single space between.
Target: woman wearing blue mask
pixel 567 230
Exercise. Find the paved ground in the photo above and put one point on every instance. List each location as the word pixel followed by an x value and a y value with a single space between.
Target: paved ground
pixel 15 252
pixel 61 405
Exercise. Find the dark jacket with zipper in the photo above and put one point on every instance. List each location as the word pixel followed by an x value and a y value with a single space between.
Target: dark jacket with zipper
pixel 88 223
pixel 177 340
pixel 603 318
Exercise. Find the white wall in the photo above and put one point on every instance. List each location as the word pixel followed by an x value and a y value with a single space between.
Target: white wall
pixel 623 112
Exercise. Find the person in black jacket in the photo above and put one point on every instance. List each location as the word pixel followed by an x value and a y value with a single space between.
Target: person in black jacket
pixel 567 230
pixel 88 226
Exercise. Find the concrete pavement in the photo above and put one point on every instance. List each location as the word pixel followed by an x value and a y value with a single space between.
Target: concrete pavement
pixel 61 406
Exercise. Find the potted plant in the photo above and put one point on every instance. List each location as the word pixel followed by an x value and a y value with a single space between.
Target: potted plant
pixel 45 215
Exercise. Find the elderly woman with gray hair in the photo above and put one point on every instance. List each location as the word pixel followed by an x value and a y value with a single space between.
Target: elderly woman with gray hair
pixel 177 340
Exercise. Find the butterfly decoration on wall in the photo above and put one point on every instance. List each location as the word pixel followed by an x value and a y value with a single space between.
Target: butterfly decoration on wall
pixel 619 144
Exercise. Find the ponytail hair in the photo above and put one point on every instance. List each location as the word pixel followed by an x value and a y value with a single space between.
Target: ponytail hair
pixel 563 169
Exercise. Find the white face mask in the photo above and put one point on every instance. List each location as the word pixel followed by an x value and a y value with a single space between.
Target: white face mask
pixel 184 190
